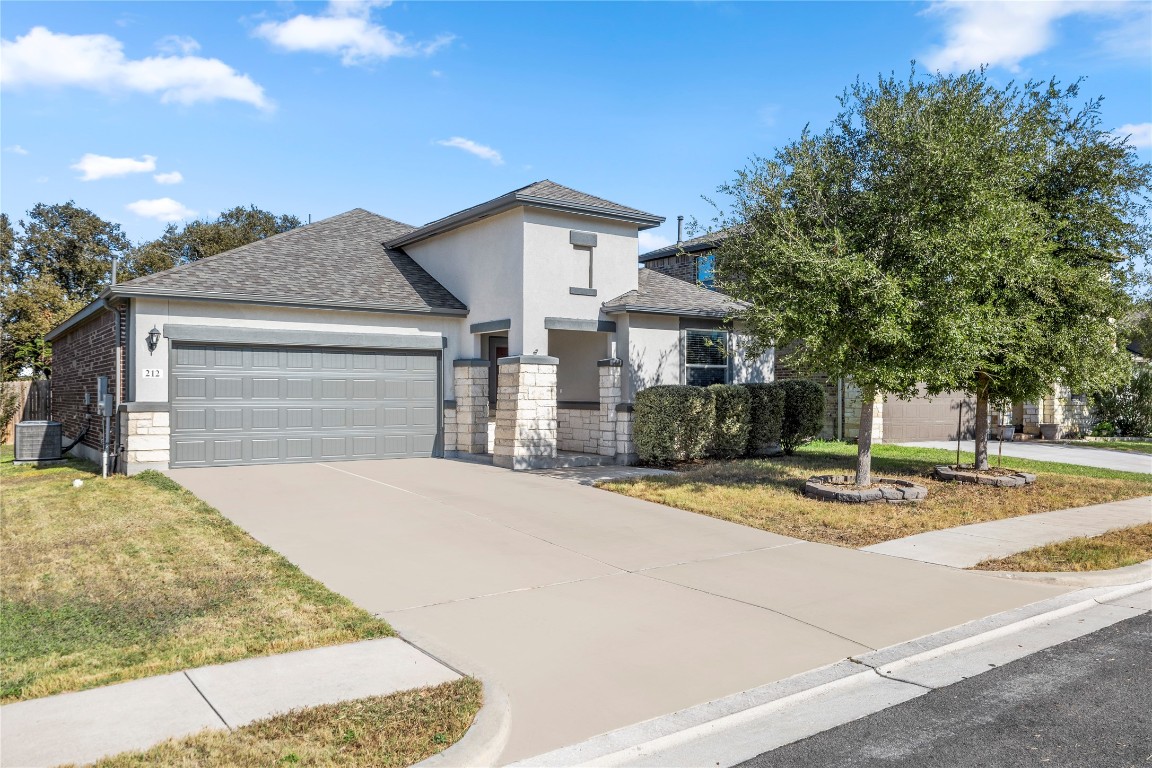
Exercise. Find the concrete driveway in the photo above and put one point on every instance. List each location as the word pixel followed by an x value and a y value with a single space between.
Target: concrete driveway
pixel 592 610
pixel 1063 454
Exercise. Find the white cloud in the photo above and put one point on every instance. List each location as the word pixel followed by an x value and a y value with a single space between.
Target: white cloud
pixel 161 209
pixel 487 153
pixel 103 167
pixel 1002 32
pixel 345 28
pixel 650 241
pixel 1139 134
pixel 16 149
pixel 177 44
pixel 98 63
pixel 172 177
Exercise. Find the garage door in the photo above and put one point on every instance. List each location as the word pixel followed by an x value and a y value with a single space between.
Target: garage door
pixel 924 418
pixel 264 405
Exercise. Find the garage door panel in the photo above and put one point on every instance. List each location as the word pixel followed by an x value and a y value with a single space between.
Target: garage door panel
pixel 927 418
pixel 261 404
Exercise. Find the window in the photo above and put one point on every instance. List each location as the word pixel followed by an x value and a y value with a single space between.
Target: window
pixel 705 357
pixel 706 270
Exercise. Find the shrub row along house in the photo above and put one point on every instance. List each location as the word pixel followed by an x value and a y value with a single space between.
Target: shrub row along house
pixel 359 337
pixel 894 420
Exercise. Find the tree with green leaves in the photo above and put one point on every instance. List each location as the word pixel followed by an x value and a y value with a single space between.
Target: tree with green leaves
pixel 1072 310
pixel 59 260
pixel 867 249
pixel 202 238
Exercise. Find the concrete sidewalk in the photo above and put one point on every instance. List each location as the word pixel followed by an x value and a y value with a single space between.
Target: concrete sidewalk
pixel 1061 454
pixel 85 726
pixel 967 545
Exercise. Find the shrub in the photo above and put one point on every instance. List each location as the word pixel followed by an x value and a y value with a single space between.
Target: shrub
pixel 765 414
pixel 803 417
pixel 672 423
pixel 1128 409
pixel 732 423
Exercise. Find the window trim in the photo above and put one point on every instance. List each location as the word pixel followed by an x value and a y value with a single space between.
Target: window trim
pixel 685 365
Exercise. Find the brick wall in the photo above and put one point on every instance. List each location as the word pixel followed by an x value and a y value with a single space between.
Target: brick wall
pixel 78 357
pixel 680 266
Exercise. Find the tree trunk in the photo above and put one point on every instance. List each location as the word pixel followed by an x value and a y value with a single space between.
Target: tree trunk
pixel 981 420
pixel 864 441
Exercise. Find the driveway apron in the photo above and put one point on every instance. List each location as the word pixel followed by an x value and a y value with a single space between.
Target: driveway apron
pixel 592 610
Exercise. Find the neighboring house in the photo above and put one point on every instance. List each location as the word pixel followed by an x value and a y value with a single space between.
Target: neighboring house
pixel 359 337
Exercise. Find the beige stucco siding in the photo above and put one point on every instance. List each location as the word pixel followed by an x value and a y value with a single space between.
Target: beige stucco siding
pixel 577 377
pixel 147 313
pixel 482 265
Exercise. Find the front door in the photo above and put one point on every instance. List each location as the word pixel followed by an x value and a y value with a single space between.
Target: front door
pixel 497 348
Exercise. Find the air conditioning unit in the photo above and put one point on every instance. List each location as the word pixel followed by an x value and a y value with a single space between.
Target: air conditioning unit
pixel 38 442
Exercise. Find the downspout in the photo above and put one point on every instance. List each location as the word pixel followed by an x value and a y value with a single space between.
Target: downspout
pixel 119 447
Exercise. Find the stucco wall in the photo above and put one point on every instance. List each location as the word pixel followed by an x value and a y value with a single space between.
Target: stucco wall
pixel 147 313
pixel 748 368
pixel 552 265
pixel 482 265
pixel 653 351
pixel 576 375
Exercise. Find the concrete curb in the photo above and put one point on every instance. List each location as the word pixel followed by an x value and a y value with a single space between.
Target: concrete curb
pixel 733 729
pixel 1131 574
pixel 481 746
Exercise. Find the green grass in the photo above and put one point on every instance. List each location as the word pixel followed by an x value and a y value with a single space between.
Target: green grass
pixel 1115 549
pixel 126 578
pixel 384 731
pixel 1130 446
pixel 766 493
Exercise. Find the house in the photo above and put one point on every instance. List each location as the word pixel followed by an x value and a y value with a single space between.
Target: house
pixel 359 337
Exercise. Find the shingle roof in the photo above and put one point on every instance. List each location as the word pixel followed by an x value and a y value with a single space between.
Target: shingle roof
pixel 704 242
pixel 339 261
pixel 540 194
pixel 663 294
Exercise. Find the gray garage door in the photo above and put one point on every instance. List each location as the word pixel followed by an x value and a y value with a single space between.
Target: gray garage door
pixel 264 405
pixel 927 419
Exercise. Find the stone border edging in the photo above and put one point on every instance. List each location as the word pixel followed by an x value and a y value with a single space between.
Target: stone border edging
pixel 1115 577
pixel 950 474
pixel 843 488
pixel 484 741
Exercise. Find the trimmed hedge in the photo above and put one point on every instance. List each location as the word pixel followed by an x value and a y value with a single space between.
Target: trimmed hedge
pixel 803 413
pixel 673 422
pixel 733 421
pixel 766 417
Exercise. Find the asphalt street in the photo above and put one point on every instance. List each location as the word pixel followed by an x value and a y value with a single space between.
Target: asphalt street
pixel 1087 702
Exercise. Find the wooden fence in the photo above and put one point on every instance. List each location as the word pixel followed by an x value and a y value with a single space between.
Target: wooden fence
pixel 32 402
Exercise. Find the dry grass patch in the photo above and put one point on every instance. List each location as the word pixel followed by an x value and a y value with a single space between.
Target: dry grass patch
pixel 395 730
pixel 130 577
pixel 766 493
pixel 1115 549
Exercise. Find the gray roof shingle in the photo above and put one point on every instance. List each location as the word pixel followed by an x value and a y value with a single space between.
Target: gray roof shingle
pixel 663 294
pixel 339 261
pixel 540 194
pixel 704 242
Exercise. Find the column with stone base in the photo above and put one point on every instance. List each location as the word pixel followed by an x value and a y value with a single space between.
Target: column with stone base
pixel 610 397
pixel 147 435
pixel 470 383
pixel 526 412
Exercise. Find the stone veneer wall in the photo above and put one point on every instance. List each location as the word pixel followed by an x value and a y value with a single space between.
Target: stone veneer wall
pixel 1074 415
pixel 611 393
pixel 147 438
pixel 466 424
pixel 578 429
pixel 525 412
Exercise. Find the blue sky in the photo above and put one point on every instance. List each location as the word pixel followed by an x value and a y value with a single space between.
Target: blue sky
pixel 154 111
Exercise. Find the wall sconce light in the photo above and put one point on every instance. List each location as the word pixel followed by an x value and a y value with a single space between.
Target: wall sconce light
pixel 153 339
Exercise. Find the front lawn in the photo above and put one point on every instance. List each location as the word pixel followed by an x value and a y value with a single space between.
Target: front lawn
pixel 1115 549
pixel 1131 446
pixel 765 493
pixel 384 731
pixel 131 577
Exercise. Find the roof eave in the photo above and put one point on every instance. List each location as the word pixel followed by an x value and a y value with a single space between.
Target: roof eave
pixel 682 311
pixel 87 312
pixel 514 200
pixel 285 302
pixel 672 250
